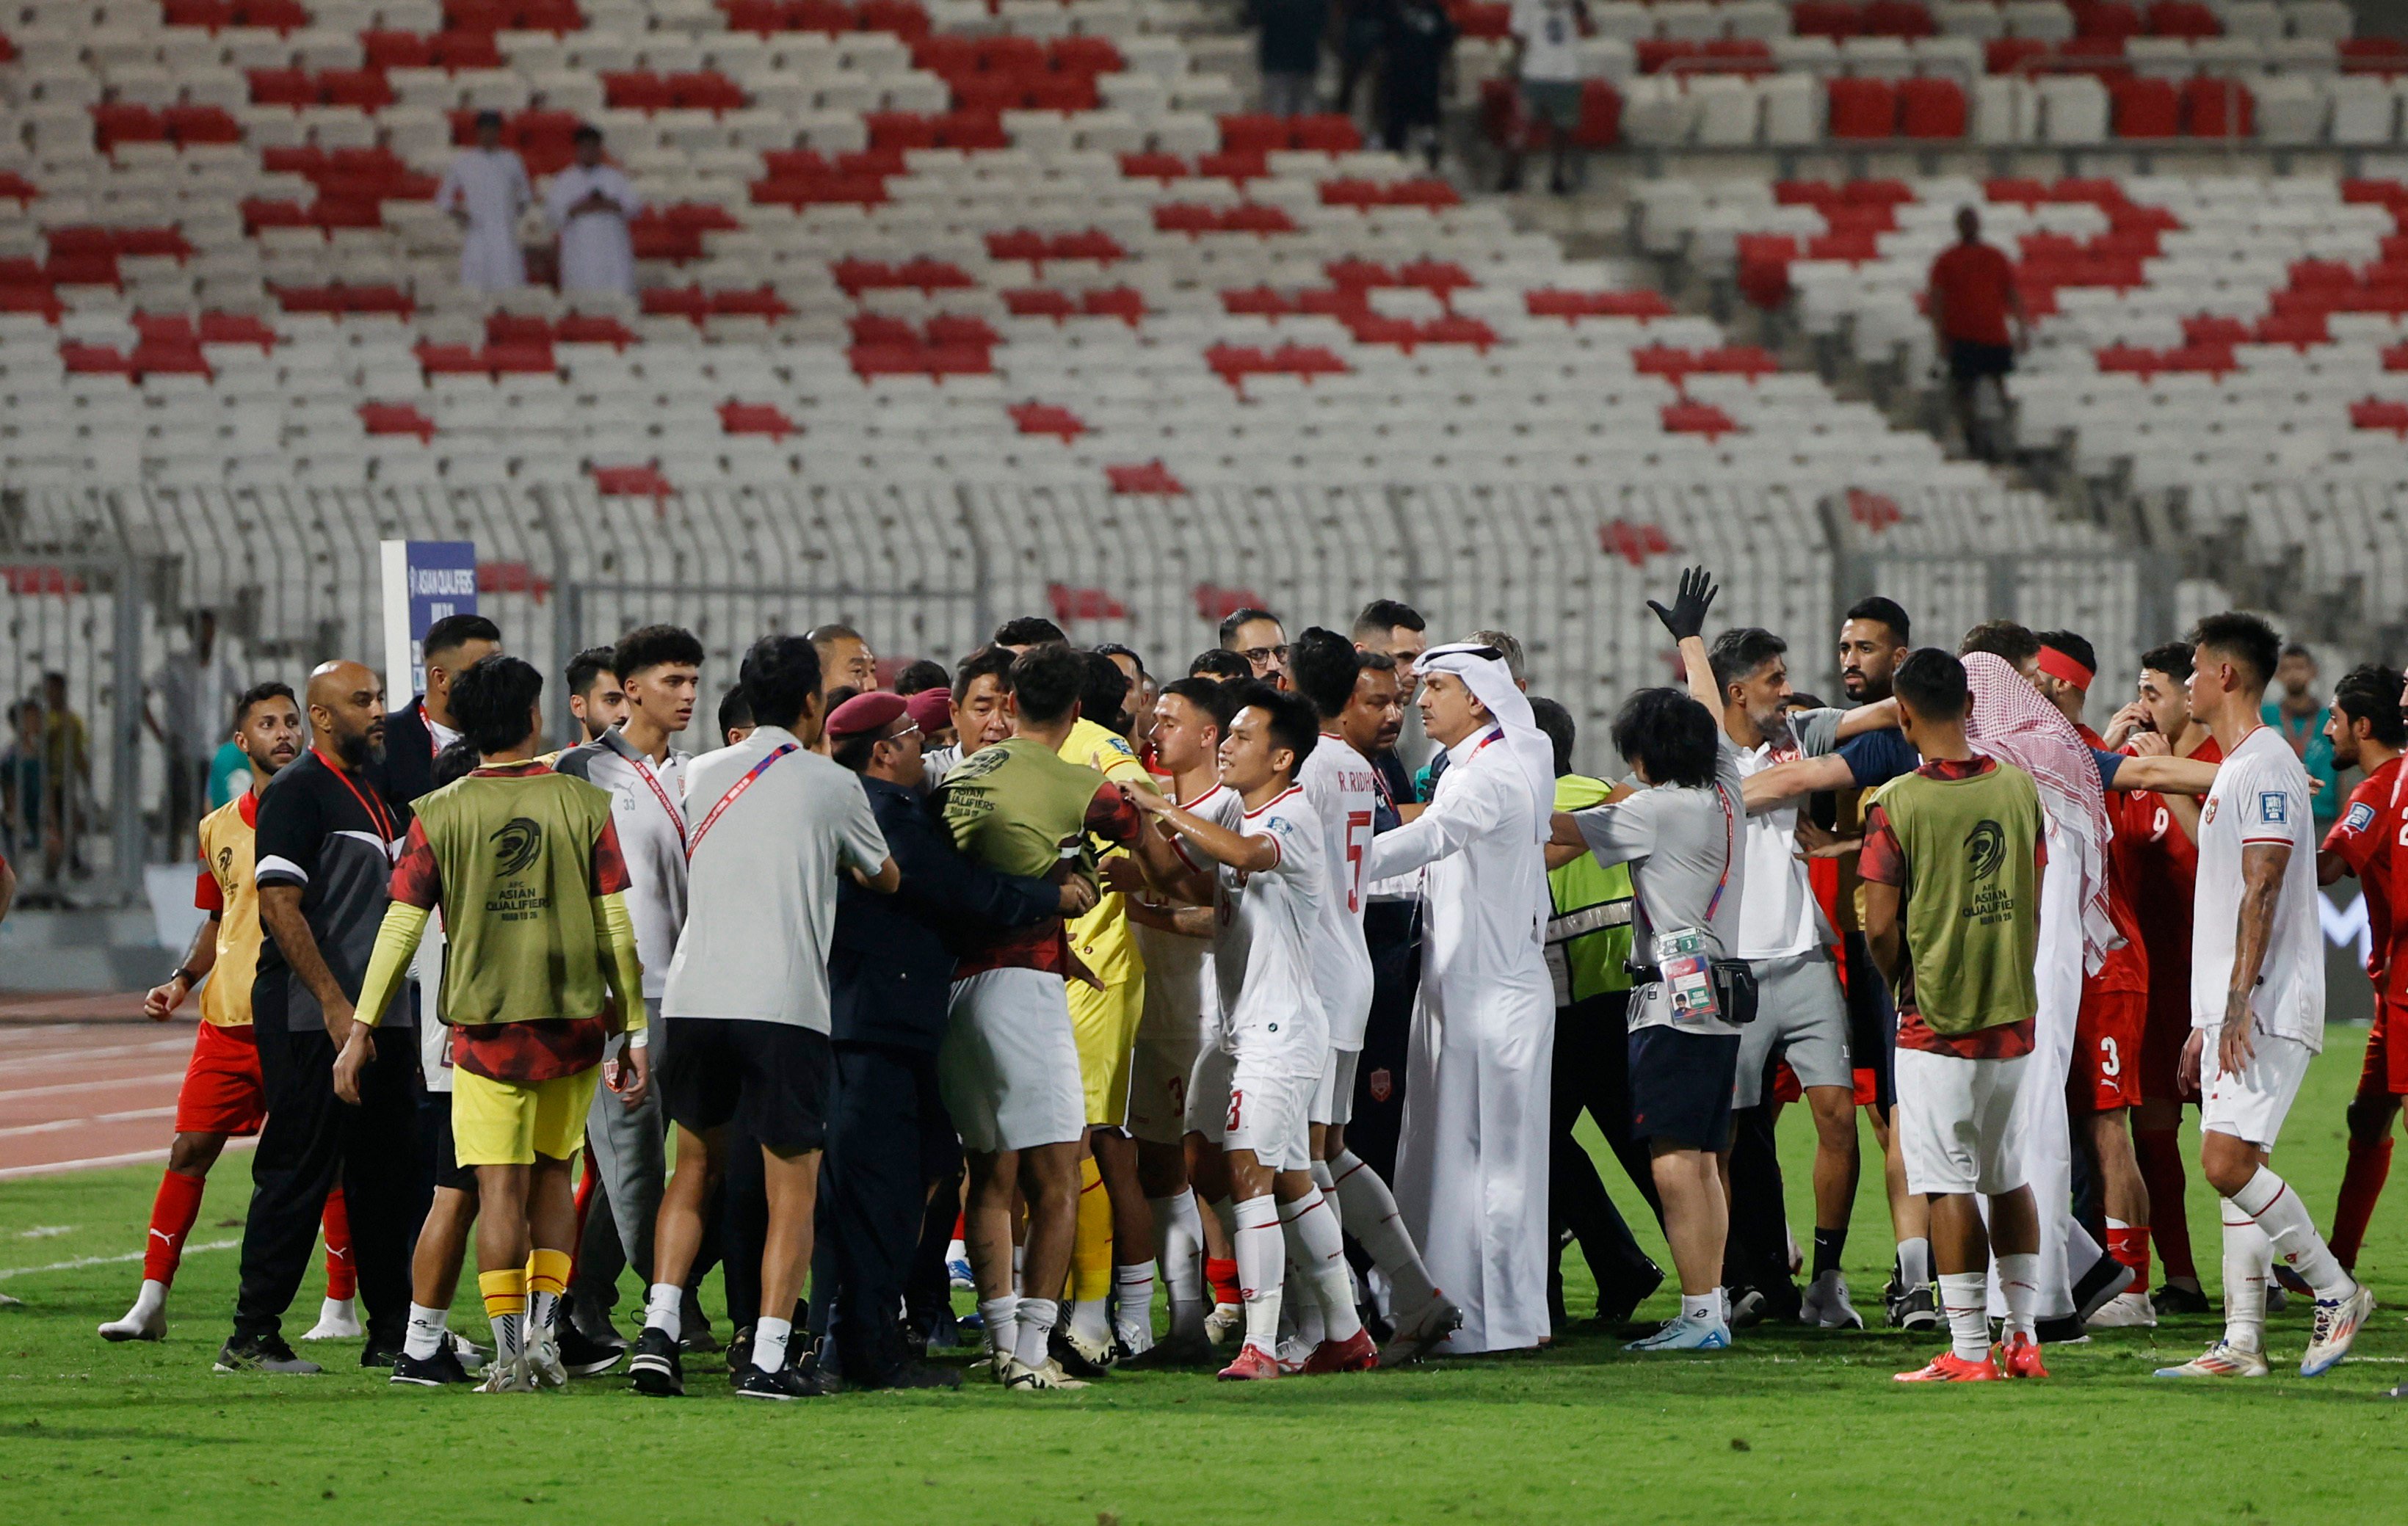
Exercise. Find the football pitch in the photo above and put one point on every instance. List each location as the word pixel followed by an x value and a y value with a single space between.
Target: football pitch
pixel 1790 1425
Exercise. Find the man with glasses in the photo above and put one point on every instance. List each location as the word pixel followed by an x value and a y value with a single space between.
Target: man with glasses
pixel 1258 635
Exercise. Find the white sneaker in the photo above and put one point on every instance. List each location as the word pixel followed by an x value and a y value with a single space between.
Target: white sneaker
pixel 1021 1377
pixel 508 1377
pixel 542 1361
pixel 139 1325
pixel 472 1356
pixel 1419 1333
pixel 1825 1304
pixel 338 1319
pixel 1225 1320
pixel 1132 1341
pixel 2126 1311
pixel 2222 1360
pixel 1686 1335
pixel 2336 1327
pixel 1291 1355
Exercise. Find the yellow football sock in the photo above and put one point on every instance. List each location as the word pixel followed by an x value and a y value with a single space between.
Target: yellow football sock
pixel 1091 1252
pixel 504 1291
pixel 547 1272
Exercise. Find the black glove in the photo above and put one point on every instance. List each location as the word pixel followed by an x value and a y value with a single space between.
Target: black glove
pixel 1687 616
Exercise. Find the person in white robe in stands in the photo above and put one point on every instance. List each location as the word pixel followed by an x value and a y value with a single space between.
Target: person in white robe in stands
pixel 593 205
pixel 485 190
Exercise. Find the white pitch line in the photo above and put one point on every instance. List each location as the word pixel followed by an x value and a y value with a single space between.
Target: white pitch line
pixel 59 1125
pixel 54 1057
pixel 12 1173
pixel 81 1262
pixel 153 1079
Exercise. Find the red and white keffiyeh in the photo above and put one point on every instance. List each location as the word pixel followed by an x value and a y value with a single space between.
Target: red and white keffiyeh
pixel 2013 722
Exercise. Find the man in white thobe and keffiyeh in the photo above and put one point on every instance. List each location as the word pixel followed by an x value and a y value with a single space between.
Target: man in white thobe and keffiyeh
pixel 1471 1165
pixel 485 190
pixel 593 204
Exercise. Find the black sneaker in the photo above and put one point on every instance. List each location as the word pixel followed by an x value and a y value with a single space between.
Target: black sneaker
pixel 1065 1350
pixel 2172 1299
pixel 583 1355
pixel 1917 1310
pixel 919 1374
pixel 438 1371
pixel 2063 1331
pixel 1747 1307
pixel 1616 1305
pixel 262 1354
pixel 786 1383
pixel 2098 1287
pixel 739 1350
pixel 656 1369
pixel 1173 1353
pixel 374 1355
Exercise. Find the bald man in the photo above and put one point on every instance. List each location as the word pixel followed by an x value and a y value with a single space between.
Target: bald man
pixel 327 840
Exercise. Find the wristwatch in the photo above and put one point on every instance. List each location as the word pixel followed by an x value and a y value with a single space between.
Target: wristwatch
pixel 184 973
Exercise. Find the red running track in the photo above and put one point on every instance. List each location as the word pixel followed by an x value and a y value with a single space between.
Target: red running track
pixel 85 1082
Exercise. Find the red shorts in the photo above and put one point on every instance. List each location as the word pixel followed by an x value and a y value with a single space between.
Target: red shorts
pixel 223 1092
pixel 2385 1071
pixel 2110 1035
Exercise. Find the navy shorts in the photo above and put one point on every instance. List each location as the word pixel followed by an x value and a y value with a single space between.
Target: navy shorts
pixel 1971 360
pixel 1681 1087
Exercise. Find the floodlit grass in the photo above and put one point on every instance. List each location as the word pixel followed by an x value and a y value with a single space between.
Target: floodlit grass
pixel 1789 1426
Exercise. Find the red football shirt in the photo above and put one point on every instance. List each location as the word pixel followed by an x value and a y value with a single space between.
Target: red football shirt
pixel 2366 837
pixel 2126 969
pixel 2150 848
pixel 1972 281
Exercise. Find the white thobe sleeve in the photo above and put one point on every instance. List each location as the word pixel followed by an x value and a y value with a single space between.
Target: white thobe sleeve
pixel 1464 808
pixel 451 195
pixel 522 190
pixel 560 195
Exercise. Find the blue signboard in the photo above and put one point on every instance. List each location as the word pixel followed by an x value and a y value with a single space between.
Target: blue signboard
pixel 424 581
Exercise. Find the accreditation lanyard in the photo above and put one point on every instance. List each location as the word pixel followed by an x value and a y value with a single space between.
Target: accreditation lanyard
pixel 729 798
pixel 1730 850
pixel 376 814
pixel 676 817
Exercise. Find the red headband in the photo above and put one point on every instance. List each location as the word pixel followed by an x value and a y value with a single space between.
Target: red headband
pixel 2057 665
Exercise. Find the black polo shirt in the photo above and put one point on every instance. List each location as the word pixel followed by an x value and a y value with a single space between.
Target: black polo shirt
pixel 335 835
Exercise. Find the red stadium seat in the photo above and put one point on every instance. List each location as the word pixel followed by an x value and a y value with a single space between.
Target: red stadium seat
pixel 1863 108
pixel 1931 108
pixel 1826 18
pixel 2105 18
pixel 1897 19
pixel 2218 108
pixel 2182 19
pixel 2145 108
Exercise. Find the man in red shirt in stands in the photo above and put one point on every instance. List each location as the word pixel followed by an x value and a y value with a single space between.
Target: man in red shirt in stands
pixel 1970 295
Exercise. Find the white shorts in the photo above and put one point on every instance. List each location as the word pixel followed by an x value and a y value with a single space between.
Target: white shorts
pixel 1009 1066
pixel 2251 1106
pixel 1957 1129
pixel 1270 1113
pixel 1333 1100
pixel 1208 1092
pixel 1161 1067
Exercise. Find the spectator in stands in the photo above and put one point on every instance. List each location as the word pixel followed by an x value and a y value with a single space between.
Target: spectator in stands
pixel 20 781
pixel 1289 48
pixel 188 707
pixel 1546 60
pixel 2296 711
pixel 485 190
pixel 1970 296
pixel 592 204
pixel 1363 27
pixel 1419 42
pixel 67 779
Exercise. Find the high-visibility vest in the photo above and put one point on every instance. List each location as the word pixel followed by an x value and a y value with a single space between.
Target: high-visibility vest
pixel 1588 938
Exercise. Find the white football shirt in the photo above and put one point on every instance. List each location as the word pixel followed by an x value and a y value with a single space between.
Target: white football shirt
pixel 2260 797
pixel 1780 917
pixel 1550 34
pixel 1342 790
pixel 1262 943
pixel 1182 994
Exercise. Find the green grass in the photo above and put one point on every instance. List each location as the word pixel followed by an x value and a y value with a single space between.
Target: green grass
pixel 1789 1426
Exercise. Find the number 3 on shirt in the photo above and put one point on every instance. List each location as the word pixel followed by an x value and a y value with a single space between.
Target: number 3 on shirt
pixel 1358 851
pixel 1237 1101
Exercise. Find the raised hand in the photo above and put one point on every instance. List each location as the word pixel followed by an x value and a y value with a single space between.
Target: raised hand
pixel 1687 616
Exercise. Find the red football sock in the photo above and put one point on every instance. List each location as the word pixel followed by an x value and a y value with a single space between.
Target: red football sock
pixel 342 1277
pixel 2161 1172
pixel 2130 1245
pixel 172 1213
pixel 1223 1275
pixel 2361 1183
pixel 961 1226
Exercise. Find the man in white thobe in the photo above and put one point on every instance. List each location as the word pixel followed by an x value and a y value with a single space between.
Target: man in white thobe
pixel 1471 1163
pixel 485 190
pixel 592 204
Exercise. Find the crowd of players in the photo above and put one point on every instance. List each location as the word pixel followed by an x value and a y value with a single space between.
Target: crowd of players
pixel 1052 978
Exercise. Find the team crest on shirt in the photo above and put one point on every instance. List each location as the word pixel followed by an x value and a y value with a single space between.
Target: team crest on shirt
pixel 2361 816
pixel 2209 814
pixel 1382 1084
pixel 2273 807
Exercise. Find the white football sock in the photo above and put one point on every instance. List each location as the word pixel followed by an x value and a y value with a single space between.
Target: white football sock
pixel 1001 1316
pixel 1133 1304
pixel 1318 1256
pixel 1371 1217
pixel 148 1303
pixel 1914 1264
pixel 510 1337
pixel 1035 1325
pixel 1178 1243
pixel 2268 1199
pixel 1091 1320
pixel 769 1342
pixel 663 1310
pixel 543 1310
pixel 955 1250
pixel 1261 1254
pixel 1326 1180
pixel 1965 1299
pixel 424 1337
pixel 2249 1256
pixel 1704 1308
pixel 2019 1284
